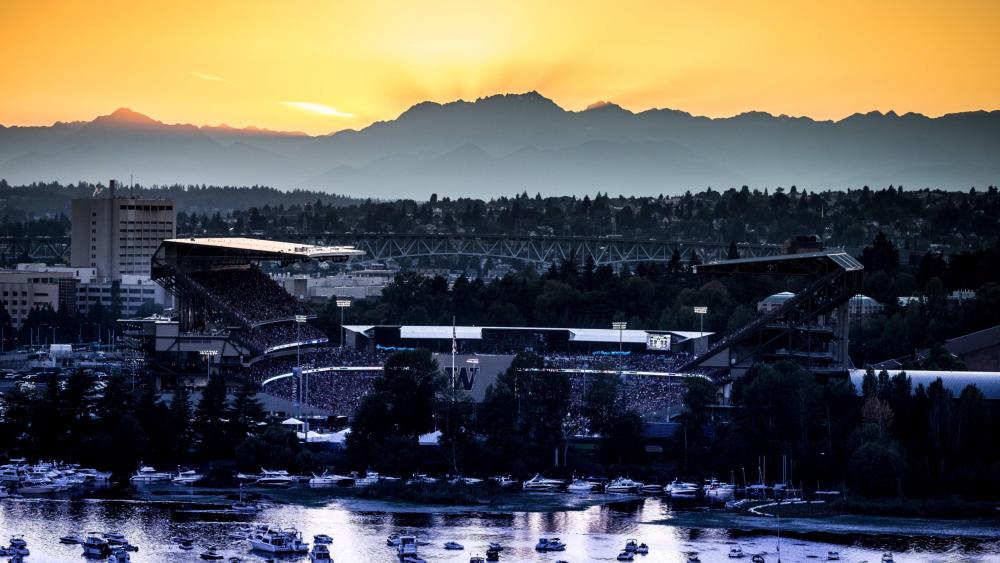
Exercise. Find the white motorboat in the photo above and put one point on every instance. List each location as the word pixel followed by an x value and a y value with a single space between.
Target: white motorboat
pixel 119 555
pixel 147 474
pixel 421 479
pixel 735 552
pixel 757 558
pixel 539 483
pixel 887 557
pixel 211 554
pixel 330 480
pixel 320 552
pixel 833 555
pixel 322 539
pixel 188 477
pixel 12 473
pixel 476 559
pixel 550 544
pixel 276 540
pixel 406 546
pixel 693 558
pixel 623 485
pixel 716 490
pixel 651 489
pixel 453 545
pixel 37 484
pixel 368 480
pixel 19 546
pixel 682 489
pixel 187 543
pixel 626 556
pixel 115 538
pixel 504 481
pixel 495 546
pixel 96 547
pixel 643 549
pixel 275 478
pixel 71 539
pixel 632 545
pixel 93 474
pixel 582 486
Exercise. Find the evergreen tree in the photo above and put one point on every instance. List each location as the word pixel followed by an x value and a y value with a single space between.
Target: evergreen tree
pixel 209 420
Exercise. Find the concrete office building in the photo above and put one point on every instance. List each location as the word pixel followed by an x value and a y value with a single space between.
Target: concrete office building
pixel 118 235
pixel 132 291
pixel 22 291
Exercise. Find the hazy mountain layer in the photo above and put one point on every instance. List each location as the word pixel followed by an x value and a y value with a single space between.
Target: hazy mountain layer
pixel 510 143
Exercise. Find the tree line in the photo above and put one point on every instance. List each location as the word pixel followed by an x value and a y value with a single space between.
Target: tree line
pixel 112 425
pixel 914 219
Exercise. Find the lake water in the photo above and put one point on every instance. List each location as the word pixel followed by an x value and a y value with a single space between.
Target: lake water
pixel 592 532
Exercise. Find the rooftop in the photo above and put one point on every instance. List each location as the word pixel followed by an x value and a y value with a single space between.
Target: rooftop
pixel 974 341
pixel 808 263
pixel 263 246
pixel 439 332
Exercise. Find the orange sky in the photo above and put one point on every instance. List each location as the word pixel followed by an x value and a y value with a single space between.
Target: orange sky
pixel 327 65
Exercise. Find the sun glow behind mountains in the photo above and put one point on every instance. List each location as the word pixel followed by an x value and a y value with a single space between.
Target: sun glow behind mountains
pixel 358 62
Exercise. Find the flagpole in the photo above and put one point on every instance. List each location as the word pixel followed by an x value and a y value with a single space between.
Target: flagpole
pixel 454 350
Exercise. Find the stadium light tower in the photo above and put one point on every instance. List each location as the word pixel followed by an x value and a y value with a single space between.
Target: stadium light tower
pixel 342 304
pixel 208 354
pixel 701 312
pixel 299 320
pixel 620 326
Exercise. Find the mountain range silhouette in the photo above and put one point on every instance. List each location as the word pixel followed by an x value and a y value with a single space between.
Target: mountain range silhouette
pixel 510 143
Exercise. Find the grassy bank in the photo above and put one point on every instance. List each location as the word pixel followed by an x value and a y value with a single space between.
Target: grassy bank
pixel 948 508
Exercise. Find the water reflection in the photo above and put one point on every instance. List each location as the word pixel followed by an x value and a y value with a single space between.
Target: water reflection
pixel 596 533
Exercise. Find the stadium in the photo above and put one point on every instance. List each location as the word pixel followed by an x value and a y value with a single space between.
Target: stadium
pixel 232 319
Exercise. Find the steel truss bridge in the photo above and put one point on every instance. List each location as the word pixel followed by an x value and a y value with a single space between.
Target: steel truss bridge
pixel 33 249
pixel 540 250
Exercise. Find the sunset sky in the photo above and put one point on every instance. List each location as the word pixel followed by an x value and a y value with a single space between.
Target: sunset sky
pixel 324 66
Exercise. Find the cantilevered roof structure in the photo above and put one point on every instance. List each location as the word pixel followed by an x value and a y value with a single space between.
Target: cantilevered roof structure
pixel 790 330
pixel 261 249
pixel 177 262
pixel 810 264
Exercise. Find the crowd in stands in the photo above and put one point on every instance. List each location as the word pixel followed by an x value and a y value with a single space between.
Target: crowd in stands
pixel 339 392
pixel 628 361
pixel 265 337
pixel 249 293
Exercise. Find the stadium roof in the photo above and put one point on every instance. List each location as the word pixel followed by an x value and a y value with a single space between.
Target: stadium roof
pixel 609 335
pixel 809 263
pixel 965 344
pixel 268 247
pixel 987 381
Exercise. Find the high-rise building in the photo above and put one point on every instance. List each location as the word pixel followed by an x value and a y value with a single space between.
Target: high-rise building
pixel 118 235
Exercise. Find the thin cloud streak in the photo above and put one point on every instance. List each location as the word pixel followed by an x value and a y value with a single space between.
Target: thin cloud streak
pixel 319 109
pixel 210 77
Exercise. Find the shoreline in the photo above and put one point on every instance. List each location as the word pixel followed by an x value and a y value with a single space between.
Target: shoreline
pixel 814 527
